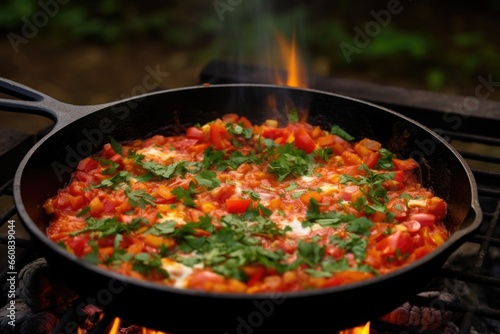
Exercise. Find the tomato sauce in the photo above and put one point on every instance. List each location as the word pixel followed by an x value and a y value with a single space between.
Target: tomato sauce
pixel 230 206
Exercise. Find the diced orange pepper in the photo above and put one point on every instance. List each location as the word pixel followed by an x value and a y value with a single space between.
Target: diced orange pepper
pixel 326 140
pixel 153 240
pixel 362 150
pixel 351 158
pixel 135 248
pixel 165 192
pixel 123 207
pixel 275 203
pixel 306 197
pixel 316 132
pixel 370 144
pixel 96 206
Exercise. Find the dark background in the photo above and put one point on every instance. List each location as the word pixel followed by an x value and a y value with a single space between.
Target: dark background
pixel 90 52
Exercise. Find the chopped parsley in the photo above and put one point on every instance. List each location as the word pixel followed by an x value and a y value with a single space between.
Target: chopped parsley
pixel 186 196
pixel 139 198
pixel 290 161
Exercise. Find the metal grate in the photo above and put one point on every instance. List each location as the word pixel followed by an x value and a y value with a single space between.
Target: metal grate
pixel 472 273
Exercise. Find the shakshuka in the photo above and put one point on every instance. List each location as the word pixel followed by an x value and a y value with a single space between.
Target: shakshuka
pixel 235 207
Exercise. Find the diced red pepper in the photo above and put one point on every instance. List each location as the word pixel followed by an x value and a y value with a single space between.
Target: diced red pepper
pixel 237 205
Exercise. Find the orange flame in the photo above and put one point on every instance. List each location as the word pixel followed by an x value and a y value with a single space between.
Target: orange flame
pixel 115 327
pixel 295 68
pixel 364 329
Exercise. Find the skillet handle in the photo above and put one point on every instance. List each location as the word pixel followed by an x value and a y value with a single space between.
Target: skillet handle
pixel 32 101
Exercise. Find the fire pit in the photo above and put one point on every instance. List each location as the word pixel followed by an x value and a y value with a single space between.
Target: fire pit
pixel 463 297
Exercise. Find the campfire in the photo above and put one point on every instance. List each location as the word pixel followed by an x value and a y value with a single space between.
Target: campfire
pixel 45 302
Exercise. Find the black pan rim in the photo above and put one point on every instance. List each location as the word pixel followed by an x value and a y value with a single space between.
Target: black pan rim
pixel 454 238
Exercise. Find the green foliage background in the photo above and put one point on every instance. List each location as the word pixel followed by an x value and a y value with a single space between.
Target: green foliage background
pixel 435 44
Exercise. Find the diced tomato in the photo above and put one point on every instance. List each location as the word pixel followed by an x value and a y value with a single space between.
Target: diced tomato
pixel 407 164
pixel 108 151
pixel 255 274
pixel 274 133
pixel 422 251
pixel 371 144
pixel 76 202
pixel 425 219
pixel 246 123
pixel 398 207
pixel 399 241
pixel 220 194
pixel 77 188
pixel 354 170
pixel 237 205
pixel 340 145
pixel 371 159
pixel 230 118
pixel 88 164
pixel 84 177
pixel 392 185
pixel 304 141
pixel 61 202
pixel 437 207
pixel 348 193
pixel 399 176
pixel 194 133
pixel 155 140
pixel 378 217
pixel 108 205
pixel 219 136
pixel 204 280
pixel 106 241
pixel 412 225
pixel 184 144
pixel 117 159
pixel 347 276
pixel 78 244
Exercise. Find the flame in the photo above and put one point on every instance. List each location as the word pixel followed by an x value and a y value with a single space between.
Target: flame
pixel 364 329
pixel 295 68
pixel 115 327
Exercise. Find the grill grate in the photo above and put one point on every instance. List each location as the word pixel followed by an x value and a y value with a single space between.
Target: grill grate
pixel 472 273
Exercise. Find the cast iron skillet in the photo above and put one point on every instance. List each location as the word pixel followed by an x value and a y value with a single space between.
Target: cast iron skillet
pixel 80 131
